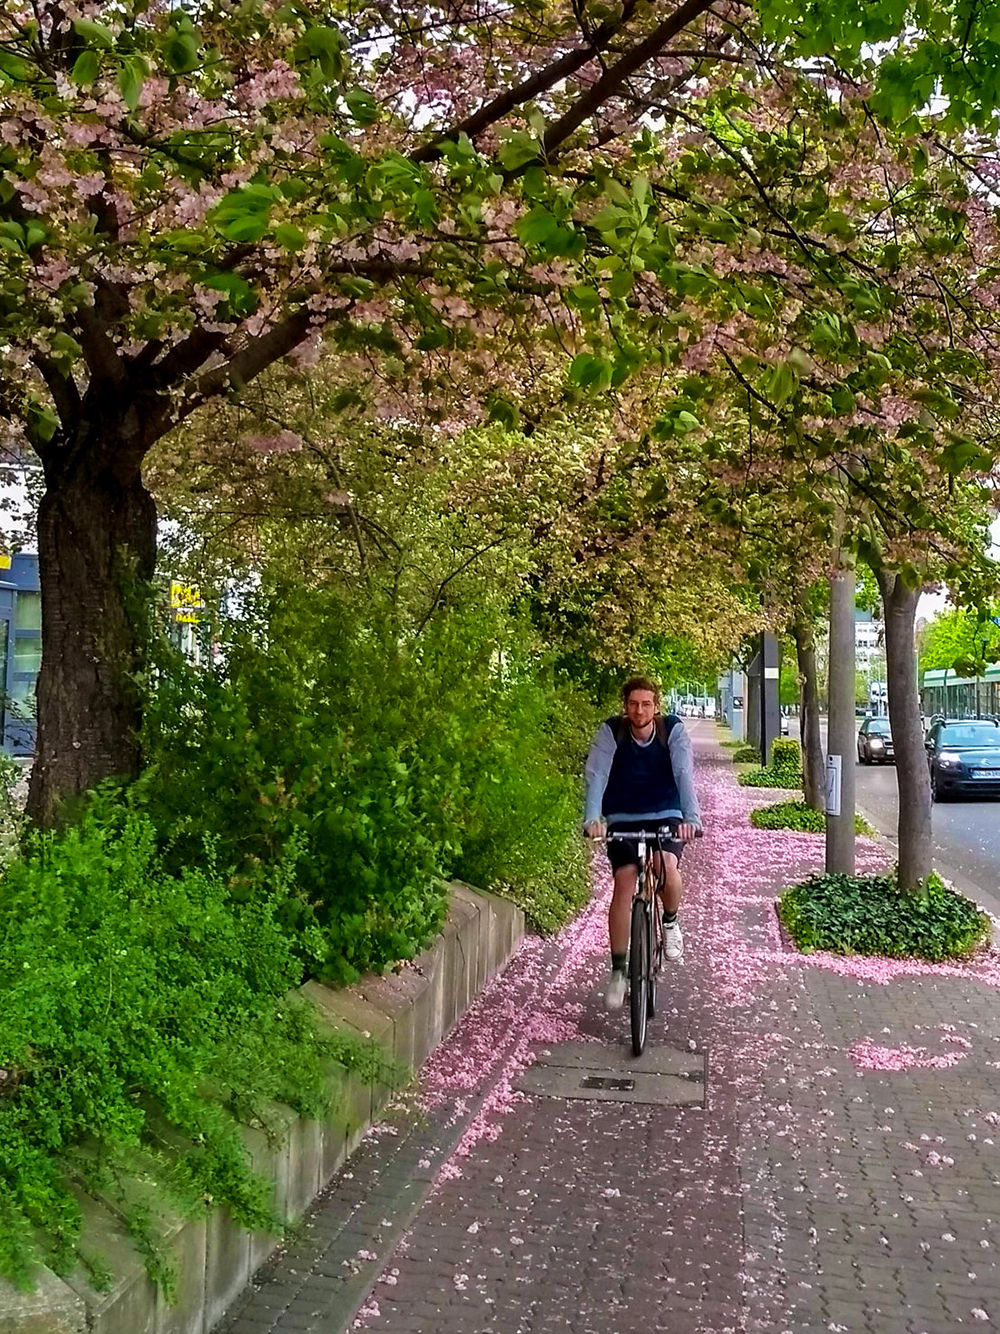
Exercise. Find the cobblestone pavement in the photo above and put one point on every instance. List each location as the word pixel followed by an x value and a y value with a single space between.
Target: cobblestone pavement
pixel 841 1176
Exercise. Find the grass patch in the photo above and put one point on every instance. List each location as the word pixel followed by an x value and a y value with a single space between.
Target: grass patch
pixel 849 914
pixel 798 815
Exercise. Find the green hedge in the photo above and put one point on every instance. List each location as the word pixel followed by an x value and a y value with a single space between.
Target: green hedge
pixel 769 778
pixel 746 755
pixel 798 815
pixel 786 755
pixel 869 915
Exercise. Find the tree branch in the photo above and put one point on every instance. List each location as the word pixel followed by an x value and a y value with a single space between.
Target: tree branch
pixel 612 80
pixel 102 357
pixel 248 363
pixel 539 82
pixel 62 387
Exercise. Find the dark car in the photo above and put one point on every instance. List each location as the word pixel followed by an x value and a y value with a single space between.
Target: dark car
pixel 875 742
pixel 964 757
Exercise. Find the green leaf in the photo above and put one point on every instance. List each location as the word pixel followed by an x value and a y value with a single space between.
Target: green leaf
pixel 519 150
pixel 537 227
pixel 590 372
pixel 180 51
pixel 362 106
pixel 844 402
pixel 131 77
pixel 431 339
pixel 86 67
pixel 500 409
pixel 963 454
pixel 94 34
pixel 42 423
pixel 240 296
pixel 65 348
pixel 780 383
pixel 18 70
pixel 289 237
pixel 326 47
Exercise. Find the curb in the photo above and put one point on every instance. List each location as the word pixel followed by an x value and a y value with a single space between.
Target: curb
pixel 407 1014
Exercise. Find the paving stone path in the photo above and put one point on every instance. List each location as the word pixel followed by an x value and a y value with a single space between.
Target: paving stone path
pixel 842 1173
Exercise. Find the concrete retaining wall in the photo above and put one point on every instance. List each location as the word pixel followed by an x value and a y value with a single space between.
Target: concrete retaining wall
pixel 407 1014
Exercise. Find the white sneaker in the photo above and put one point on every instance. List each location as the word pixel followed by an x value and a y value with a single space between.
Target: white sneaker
pixel 614 994
pixel 673 942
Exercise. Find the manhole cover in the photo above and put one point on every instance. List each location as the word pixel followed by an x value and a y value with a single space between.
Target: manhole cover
pixel 666 1076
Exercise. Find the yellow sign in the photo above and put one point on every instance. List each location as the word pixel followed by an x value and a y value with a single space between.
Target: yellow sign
pixel 187 618
pixel 4 562
pixel 183 596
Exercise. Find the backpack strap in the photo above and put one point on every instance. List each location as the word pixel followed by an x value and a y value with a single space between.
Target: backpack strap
pixel 664 726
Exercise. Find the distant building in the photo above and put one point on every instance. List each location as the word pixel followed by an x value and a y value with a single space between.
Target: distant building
pixel 20 650
pixel 868 639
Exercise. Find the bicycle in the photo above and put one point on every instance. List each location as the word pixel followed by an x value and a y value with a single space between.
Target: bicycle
pixel 645 955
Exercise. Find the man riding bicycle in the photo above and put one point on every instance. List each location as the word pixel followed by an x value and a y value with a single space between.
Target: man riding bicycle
pixel 640 775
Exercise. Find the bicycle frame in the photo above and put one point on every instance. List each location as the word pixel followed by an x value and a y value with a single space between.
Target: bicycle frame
pixel 646 936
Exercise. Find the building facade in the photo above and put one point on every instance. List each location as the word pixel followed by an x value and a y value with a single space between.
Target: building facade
pixel 20 650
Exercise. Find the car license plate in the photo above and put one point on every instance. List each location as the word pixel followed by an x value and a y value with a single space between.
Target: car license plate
pixel 986 773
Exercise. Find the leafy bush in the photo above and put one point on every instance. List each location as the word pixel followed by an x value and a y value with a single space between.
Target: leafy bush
pixel 395 760
pixel 769 778
pixel 746 755
pixel 786 755
pixel 869 915
pixel 798 815
pixel 520 818
pixel 125 994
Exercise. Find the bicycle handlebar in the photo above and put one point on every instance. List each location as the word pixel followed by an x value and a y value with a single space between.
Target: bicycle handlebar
pixel 631 835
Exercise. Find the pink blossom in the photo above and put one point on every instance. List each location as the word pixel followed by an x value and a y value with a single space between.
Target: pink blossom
pixel 284 442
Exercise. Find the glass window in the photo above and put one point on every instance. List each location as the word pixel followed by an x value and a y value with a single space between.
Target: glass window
pixel 880 726
pixel 28 611
pixel 21 702
pixel 968 734
pixel 27 654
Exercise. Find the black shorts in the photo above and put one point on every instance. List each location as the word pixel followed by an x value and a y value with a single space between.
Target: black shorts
pixel 626 853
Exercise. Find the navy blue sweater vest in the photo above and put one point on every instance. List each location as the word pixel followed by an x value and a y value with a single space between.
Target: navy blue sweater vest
pixel 642 777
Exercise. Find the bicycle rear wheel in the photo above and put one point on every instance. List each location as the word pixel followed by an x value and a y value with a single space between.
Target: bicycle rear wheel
pixel 638 975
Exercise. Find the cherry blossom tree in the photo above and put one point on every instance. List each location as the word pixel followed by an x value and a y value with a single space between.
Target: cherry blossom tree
pixel 189 194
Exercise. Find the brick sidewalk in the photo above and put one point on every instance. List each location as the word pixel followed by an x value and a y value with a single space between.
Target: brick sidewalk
pixel 841 1176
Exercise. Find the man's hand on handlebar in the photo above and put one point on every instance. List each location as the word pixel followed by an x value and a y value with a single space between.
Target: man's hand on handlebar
pixel 684 833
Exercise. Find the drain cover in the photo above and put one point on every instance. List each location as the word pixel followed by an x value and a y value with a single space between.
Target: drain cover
pixel 666 1076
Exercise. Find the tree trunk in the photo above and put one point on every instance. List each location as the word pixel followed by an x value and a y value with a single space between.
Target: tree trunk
pixel 813 764
pixel 912 780
pixel 97 553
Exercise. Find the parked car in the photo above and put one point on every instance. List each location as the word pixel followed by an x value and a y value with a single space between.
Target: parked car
pixel 785 725
pixel 875 742
pixel 964 757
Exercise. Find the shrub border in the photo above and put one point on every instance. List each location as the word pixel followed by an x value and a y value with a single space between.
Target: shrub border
pixel 405 1014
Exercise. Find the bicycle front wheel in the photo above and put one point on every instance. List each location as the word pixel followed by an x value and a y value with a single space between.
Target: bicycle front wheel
pixel 638 975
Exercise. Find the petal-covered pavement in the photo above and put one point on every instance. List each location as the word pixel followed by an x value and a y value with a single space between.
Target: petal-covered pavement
pixel 842 1173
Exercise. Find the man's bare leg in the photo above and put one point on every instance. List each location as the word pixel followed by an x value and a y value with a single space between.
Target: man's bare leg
pixel 620 912
pixel 670 898
pixel 673 886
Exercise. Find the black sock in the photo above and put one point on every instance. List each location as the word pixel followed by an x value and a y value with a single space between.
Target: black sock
pixel 669 918
pixel 619 962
